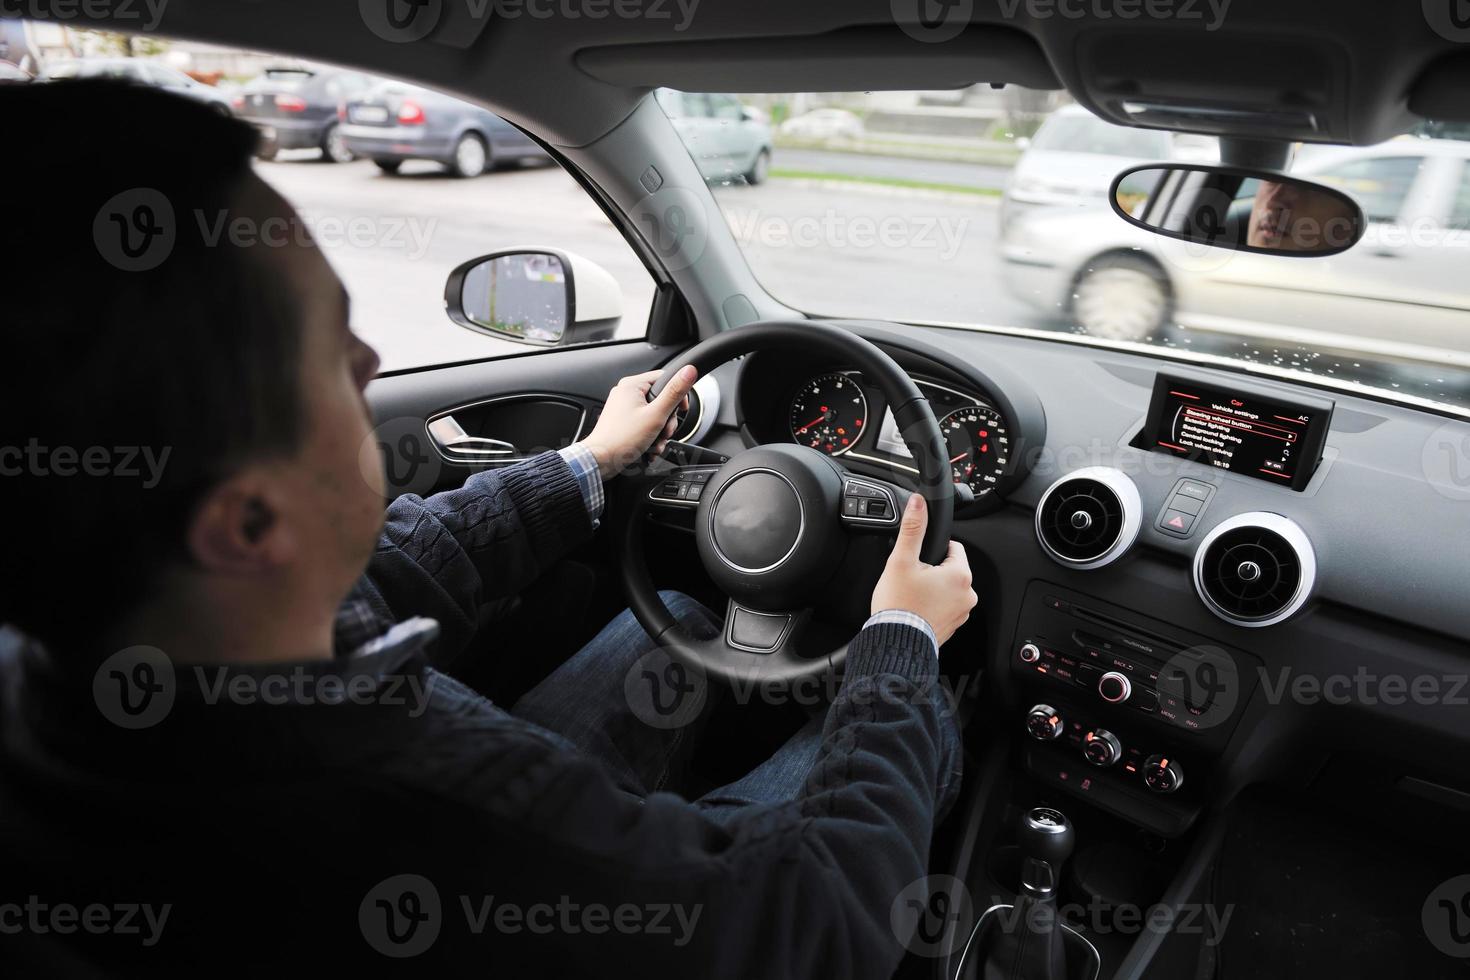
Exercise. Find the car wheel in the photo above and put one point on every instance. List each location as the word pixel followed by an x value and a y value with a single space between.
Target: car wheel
pixel 470 157
pixel 760 169
pixel 334 146
pixel 266 149
pixel 388 166
pixel 1122 297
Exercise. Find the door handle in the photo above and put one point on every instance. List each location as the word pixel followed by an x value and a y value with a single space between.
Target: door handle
pixel 451 437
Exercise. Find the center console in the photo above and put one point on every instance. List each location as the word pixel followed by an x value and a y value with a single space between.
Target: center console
pixel 1125 712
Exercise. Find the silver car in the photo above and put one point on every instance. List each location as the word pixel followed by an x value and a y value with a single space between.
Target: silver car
pixel 1118 282
pixel 726 138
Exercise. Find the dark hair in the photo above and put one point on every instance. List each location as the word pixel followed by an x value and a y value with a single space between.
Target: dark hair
pixel 129 332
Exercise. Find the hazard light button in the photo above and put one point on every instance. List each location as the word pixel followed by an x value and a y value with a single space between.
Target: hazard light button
pixel 1177 521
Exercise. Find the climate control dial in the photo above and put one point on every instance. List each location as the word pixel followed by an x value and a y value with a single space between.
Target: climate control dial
pixel 1162 774
pixel 1043 723
pixel 1101 747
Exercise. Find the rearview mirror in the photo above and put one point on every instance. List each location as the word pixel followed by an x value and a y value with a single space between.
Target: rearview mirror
pixel 1245 210
pixel 545 297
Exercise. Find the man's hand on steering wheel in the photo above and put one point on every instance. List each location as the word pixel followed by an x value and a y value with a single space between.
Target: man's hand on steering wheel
pixel 630 423
pixel 941 594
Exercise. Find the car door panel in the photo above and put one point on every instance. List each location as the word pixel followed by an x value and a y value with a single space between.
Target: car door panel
pixel 530 402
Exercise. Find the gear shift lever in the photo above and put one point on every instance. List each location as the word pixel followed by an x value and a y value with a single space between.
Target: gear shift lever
pixel 1031 948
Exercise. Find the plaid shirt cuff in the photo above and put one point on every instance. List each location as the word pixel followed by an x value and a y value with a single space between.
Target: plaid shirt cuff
pixel 905 618
pixel 584 468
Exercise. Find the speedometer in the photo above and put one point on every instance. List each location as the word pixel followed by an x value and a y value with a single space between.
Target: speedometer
pixel 828 413
pixel 979 446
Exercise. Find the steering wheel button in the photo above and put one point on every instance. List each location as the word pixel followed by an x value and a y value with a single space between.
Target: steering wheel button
pixel 850 506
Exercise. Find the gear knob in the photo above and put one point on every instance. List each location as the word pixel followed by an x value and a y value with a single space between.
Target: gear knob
pixel 1046 835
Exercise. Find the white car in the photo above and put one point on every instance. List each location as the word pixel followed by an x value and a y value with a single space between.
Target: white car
pixel 1069 161
pixel 824 124
pixel 1120 282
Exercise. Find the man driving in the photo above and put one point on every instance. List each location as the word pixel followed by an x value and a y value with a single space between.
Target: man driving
pixel 218 706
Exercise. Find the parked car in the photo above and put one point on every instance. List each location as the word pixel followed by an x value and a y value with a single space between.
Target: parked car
pixel 824 124
pixel 138 71
pixel 723 136
pixel 1072 159
pixel 1121 282
pixel 297 109
pixel 395 122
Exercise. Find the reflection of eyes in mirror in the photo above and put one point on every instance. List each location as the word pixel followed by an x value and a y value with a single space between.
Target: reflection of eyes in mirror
pixel 523 295
pixel 1228 208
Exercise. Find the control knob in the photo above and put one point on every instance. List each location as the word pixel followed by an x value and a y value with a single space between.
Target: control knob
pixel 1043 723
pixel 1101 747
pixel 1162 774
pixel 1114 687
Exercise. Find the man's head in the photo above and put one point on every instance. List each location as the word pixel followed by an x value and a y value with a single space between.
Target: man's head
pixel 182 411
pixel 1294 217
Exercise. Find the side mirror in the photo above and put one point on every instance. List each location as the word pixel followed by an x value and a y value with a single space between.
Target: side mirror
pixel 1234 208
pixel 540 296
pixel 751 114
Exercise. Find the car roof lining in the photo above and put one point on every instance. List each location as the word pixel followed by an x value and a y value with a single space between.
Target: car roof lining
pixel 1361 73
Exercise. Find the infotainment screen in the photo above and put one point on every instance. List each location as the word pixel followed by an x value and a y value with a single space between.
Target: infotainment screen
pixel 1237 430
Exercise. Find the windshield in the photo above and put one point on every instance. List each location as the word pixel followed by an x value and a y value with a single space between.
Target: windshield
pixel 988 208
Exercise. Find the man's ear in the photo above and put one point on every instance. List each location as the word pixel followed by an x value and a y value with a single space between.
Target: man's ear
pixel 239 527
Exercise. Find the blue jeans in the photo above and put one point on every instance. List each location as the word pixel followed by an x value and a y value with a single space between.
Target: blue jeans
pixel 596 701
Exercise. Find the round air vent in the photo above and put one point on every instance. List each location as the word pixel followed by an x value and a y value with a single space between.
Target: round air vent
pixel 1255 569
pixel 1089 518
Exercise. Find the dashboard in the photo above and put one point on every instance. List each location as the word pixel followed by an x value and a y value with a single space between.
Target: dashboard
pixel 834 410
pixel 1139 520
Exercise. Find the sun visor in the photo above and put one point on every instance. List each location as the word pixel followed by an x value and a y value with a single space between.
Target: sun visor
pixel 852 59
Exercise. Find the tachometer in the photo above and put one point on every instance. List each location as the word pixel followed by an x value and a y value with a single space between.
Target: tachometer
pixel 979 446
pixel 828 414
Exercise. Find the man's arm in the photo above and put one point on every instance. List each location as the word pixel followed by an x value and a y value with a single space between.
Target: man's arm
pixel 445 556
pixel 800 889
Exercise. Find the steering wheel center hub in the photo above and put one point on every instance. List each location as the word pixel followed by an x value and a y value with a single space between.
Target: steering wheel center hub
pixel 768 526
pixel 756 520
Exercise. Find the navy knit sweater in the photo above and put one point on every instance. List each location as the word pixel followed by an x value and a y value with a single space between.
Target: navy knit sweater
pixel 269 830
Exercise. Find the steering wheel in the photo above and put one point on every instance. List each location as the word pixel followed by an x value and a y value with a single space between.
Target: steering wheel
pixel 773 522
